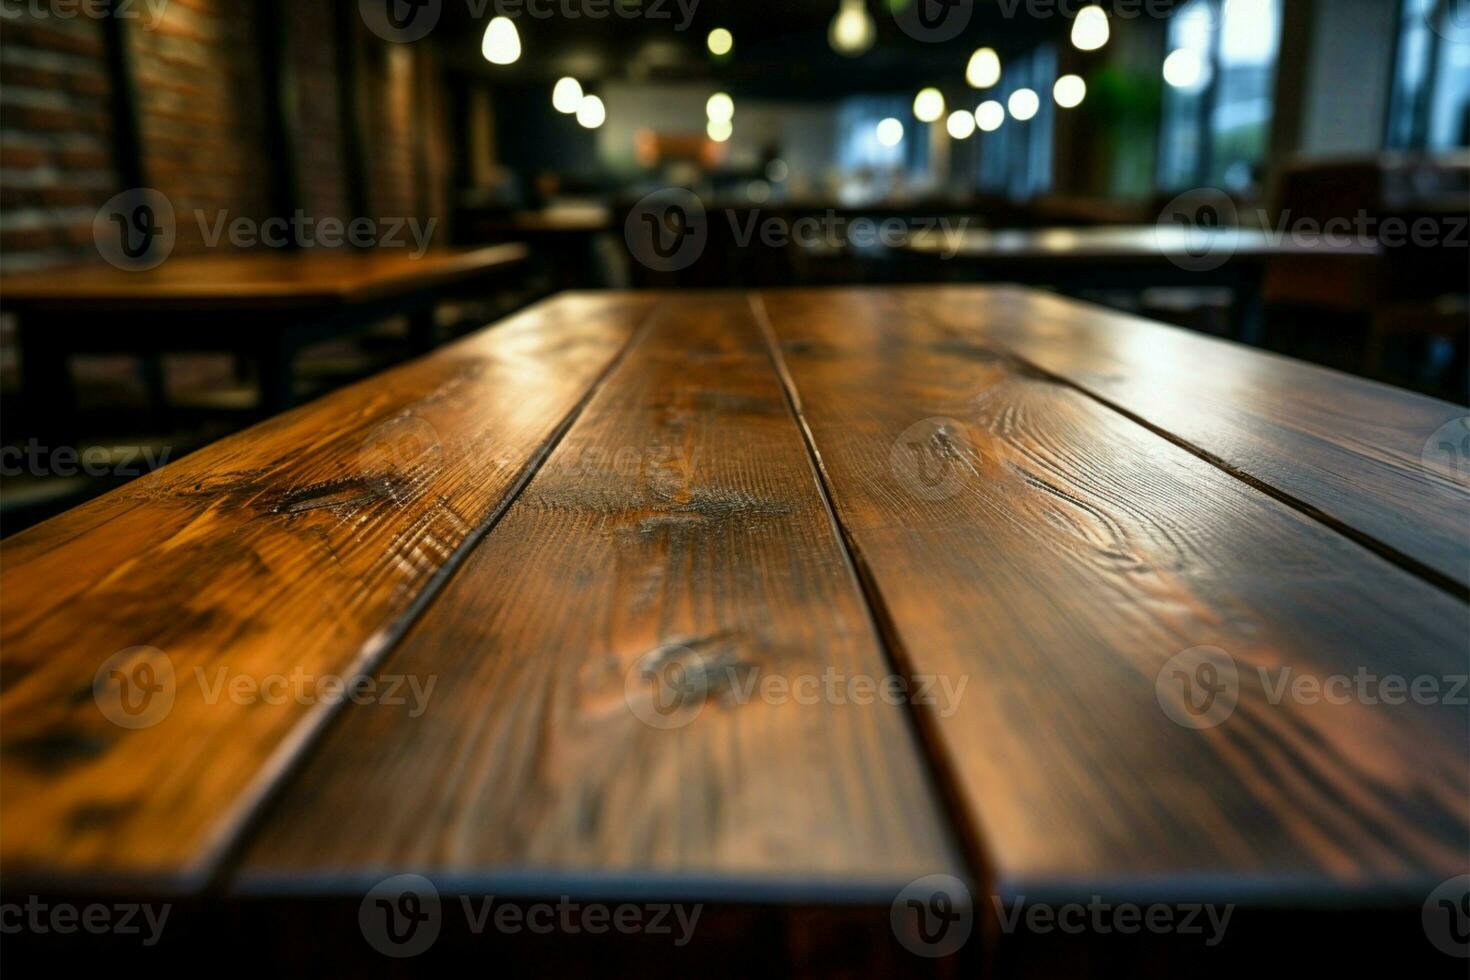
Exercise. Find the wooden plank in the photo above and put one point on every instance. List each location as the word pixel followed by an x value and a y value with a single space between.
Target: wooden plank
pixel 299 547
pixel 1072 564
pixel 266 279
pixel 1363 456
pixel 677 531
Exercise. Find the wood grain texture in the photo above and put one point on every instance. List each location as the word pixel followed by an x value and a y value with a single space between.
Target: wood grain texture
pixel 1351 450
pixel 297 546
pixel 679 529
pixel 265 279
pixel 1061 557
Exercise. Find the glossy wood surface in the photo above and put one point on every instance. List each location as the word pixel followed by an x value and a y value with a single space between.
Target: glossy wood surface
pixel 1066 560
pixel 677 531
pixel 1051 511
pixel 301 545
pixel 1366 457
pixel 252 280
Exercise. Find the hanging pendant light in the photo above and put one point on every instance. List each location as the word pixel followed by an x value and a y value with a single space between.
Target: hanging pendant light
pixel 852 31
pixel 502 44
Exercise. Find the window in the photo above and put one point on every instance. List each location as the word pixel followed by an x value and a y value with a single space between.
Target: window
pixel 1015 160
pixel 1431 87
pixel 1219 76
pixel 858 146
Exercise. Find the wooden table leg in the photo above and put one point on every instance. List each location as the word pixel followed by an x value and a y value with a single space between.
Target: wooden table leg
pixel 275 359
pixel 423 330
pixel 46 382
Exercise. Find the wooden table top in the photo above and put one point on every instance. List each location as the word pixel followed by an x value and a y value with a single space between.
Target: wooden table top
pixel 561 219
pixel 264 279
pixel 632 560
pixel 1123 243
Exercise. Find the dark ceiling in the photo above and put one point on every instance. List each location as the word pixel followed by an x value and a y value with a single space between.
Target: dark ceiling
pixel 781 47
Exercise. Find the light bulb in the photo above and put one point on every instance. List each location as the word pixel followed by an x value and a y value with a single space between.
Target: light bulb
pixel 1024 104
pixel 1184 70
pixel 890 132
pixel 989 116
pixel 591 113
pixel 720 41
pixel 929 105
pixel 852 31
pixel 502 44
pixel 566 96
pixel 719 130
pixel 720 107
pixel 960 124
pixel 1090 30
pixel 1069 91
pixel 983 71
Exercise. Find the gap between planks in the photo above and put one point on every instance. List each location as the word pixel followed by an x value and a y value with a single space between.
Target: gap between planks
pixel 942 771
pixel 1382 549
pixel 292 754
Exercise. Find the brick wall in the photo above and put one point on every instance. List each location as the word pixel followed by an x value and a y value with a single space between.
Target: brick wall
pixel 388 132
pixel 201 107
pixel 55 139
pixel 201 113
pixel 321 173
